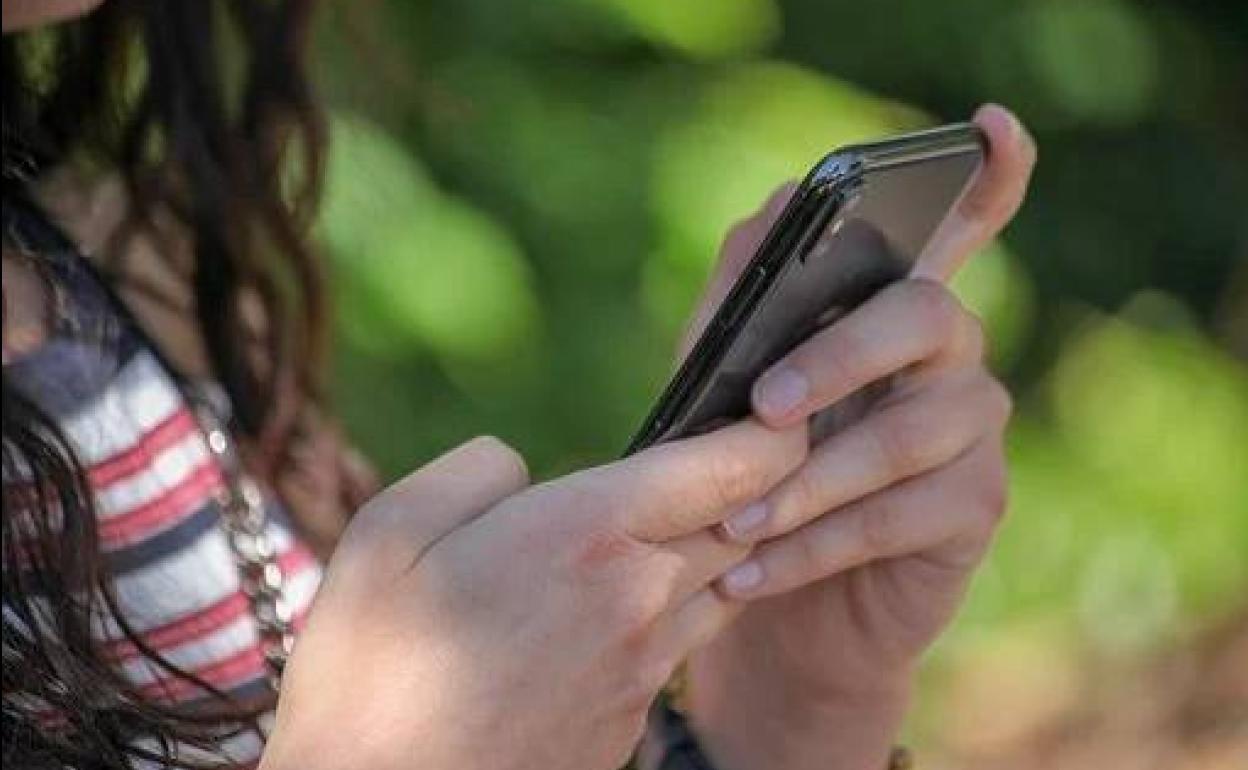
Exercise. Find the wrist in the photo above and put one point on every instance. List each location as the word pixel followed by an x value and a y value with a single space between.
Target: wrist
pixel 848 737
pixel 745 721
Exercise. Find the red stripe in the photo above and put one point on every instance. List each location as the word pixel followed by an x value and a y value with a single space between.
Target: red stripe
pixel 226 674
pixel 135 458
pixel 209 619
pixel 157 514
pixel 200 623
pixel 179 500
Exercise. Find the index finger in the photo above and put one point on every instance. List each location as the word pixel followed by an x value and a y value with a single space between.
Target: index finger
pixel 991 202
pixel 683 486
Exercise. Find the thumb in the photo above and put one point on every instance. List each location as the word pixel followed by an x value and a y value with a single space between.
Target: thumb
pixel 995 196
pixel 407 518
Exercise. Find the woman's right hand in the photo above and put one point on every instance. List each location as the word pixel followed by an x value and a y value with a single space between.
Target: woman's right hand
pixel 470 620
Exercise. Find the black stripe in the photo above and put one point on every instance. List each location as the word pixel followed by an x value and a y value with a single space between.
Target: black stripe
pixel 183 535
pixel 179 537
pixel 250 694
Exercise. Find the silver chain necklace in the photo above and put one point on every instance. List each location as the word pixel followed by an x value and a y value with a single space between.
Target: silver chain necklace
pixel 243 519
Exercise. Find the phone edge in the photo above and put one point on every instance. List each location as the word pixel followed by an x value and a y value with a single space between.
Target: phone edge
pixel 830 179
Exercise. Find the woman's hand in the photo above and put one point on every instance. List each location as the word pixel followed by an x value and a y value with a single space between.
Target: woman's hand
pixel 864 553
pixel 469 620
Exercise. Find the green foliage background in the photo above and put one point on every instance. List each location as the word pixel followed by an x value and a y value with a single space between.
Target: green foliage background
pixel 524 199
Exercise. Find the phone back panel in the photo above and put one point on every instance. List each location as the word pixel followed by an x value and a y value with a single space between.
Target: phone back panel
pixel 866 228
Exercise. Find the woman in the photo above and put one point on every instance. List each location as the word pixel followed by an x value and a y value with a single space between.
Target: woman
pixel 169 469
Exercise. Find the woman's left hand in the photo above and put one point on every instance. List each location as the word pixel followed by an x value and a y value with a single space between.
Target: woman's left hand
pixel 865 552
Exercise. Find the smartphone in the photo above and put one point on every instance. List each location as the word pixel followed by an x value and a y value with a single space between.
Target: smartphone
pixel 858 222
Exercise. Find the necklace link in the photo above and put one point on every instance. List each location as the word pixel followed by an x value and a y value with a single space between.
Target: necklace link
pixel 243 520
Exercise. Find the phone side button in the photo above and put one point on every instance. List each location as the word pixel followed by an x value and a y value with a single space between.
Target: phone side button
pixel 731 321
pixel 746 304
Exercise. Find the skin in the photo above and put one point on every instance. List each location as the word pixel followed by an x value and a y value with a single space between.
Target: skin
pixel 470 620
pixel 865 553
pixel 23 14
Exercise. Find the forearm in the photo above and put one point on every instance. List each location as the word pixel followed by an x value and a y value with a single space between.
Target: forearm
pixel 745 720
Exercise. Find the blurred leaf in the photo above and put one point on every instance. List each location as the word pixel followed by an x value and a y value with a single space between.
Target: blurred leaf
pixel 1091 61
pixel 370 180
pixel 468 294
pixel 421 266
pixel 1129 510
pixel 706 28
pixel 1159 416
pixel 1128 600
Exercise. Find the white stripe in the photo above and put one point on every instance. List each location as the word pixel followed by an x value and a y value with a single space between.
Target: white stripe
pixel 207 650
pixel 302 587
pixel 137 400
pixel 196 653
pixel 185 582
pixel 168 468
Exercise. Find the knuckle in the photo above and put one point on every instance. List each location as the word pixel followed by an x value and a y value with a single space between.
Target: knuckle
pixel 374 527
pixel 982 493
pixel 995 200
pixel 974 335
pixel 637 609
pixel 807 554
pixel 1000 401
pixel 805 495
pixel 598 549
pixel 734 476
pixel 878 531
pixel 994 504
pixel 494 450
pixel 796 452
pixel 847 356
pixel 363 530
pixel 982 204
pixel 904 445
pixel 936 306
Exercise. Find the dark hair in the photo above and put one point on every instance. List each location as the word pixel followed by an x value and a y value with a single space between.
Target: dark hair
pixel 141 88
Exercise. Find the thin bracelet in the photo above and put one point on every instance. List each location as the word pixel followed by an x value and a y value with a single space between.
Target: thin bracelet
pixel 901 758
pixel 671 744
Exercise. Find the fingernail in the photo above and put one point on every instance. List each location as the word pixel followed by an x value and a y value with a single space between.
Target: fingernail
pixel 743 578
pixel 749 519
pixel 995 113
pixel 780 391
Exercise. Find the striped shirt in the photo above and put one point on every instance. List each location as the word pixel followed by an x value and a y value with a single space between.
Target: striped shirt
pixel 155 484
